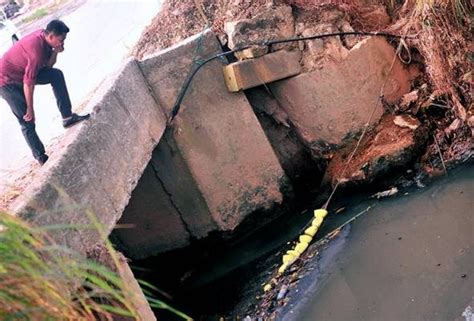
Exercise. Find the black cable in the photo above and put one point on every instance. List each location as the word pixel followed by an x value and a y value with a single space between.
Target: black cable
pixel 334 34
pixel 191 75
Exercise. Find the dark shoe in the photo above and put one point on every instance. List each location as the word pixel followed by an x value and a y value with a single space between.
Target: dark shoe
pixel 74 119
pixel 42 159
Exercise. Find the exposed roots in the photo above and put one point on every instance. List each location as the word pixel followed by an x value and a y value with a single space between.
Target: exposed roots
pixel 444 39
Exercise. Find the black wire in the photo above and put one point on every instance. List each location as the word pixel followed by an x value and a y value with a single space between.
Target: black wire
pixel 334 34
pixel 191 75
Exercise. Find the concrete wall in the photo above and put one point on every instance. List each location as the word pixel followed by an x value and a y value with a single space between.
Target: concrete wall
pixel 333 103
pixel 216 133
pixel 99 163
pixel 213 167
pixel 151 223
pixel 215 163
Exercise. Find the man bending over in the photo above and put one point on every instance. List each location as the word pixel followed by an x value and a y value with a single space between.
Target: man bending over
pixel 28 63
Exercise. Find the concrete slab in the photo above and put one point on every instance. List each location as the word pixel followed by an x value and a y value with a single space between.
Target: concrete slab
pixel 118 263
pixel 174 173
pixel 101 161
pixel 256 72
pixel 137 297
pixel 150 223
pixel 217 137
pixel 328 105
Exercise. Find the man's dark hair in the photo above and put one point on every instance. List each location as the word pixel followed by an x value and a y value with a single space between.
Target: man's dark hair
pixel 57 27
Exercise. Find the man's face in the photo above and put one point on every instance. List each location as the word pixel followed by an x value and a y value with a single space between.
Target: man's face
pixel 54 40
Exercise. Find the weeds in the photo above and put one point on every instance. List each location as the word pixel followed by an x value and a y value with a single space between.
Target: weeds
pixel 41 280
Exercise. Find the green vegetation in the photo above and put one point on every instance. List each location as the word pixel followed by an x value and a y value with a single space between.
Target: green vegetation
pixel 41 280
pixel 38 14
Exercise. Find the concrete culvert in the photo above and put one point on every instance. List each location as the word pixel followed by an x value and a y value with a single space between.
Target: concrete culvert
pixel 205 203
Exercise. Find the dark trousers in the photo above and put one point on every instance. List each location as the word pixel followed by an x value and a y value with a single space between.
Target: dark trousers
pixel 15 97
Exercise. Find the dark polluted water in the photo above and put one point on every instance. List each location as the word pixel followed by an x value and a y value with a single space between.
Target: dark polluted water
pixel 410 258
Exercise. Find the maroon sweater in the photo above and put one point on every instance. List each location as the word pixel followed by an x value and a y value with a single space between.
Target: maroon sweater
pixel 21 63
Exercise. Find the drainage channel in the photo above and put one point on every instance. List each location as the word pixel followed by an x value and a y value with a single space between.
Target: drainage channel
pixel 208 279
pixel 409 258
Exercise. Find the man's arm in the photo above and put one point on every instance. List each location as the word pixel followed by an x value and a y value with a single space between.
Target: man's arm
pixel 54 56
pixel 30 112
pixel 52 59
pixel 29 81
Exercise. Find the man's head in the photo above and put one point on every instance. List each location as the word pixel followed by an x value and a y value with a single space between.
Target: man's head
pixel 55 33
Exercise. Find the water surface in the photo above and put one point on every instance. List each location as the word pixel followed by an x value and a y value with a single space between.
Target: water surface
pixel 410 258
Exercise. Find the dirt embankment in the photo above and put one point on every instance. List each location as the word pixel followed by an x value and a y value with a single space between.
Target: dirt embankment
pixel 180 19
pixel 441 45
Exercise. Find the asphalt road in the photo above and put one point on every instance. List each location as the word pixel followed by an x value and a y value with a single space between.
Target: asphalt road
pixel 102 34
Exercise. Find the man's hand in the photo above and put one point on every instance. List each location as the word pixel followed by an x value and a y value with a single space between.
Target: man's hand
pixel 30 115
pixel 30 112
pixel 59 48
pixel 54 55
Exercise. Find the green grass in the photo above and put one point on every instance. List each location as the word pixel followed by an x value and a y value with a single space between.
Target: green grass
pixel 38 14
pixel 41 280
